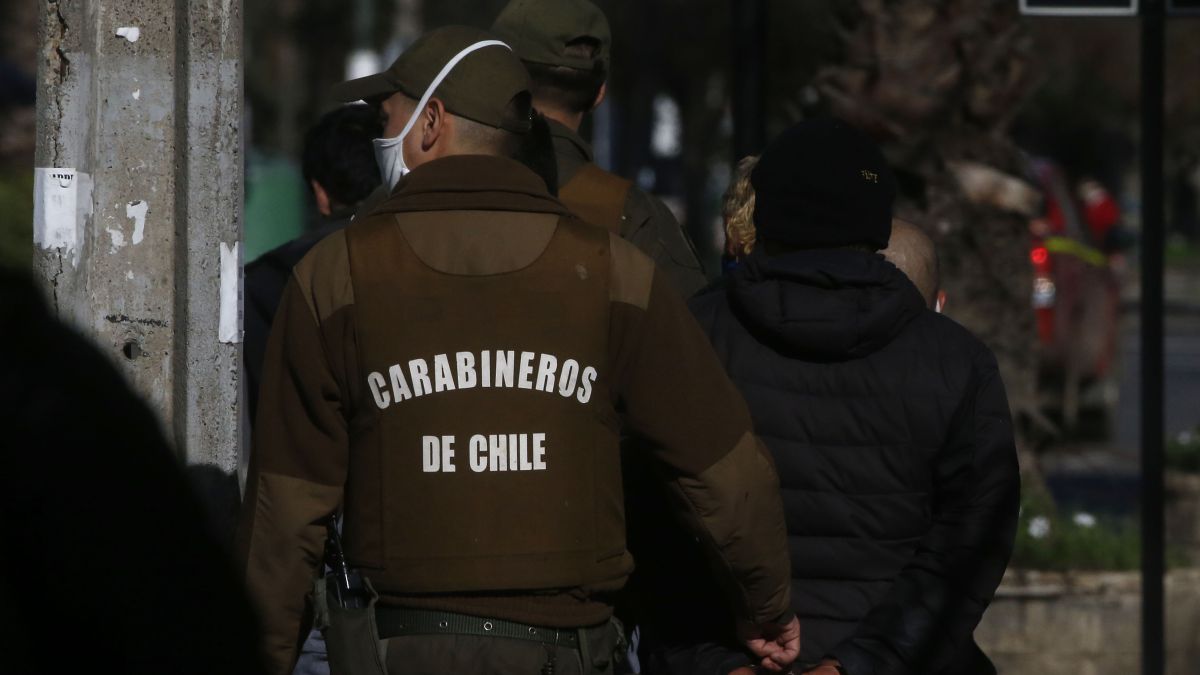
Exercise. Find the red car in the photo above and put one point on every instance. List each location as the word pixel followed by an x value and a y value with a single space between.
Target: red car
pixel 1076 300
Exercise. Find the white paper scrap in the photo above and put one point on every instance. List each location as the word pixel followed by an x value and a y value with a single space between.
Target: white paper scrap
pixel 131 33
pixel 137 211
pixel 55 194
pixel 230 328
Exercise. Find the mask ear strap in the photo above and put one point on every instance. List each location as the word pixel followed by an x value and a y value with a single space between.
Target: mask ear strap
pixel 442 75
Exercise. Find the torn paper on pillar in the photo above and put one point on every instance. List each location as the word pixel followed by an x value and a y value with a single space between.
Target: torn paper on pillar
pixel 55 197
pixel 230 327
pixel 131 33
pixel 136 211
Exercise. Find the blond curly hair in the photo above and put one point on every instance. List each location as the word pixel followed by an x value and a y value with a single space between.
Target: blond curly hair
pixel 737 210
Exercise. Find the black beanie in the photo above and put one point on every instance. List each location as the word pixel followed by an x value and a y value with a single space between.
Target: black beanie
pixel 822 184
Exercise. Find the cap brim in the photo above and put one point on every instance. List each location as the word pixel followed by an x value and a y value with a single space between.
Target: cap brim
pixel 364 88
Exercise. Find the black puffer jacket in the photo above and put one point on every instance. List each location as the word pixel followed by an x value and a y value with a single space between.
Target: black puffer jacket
pixel 891 433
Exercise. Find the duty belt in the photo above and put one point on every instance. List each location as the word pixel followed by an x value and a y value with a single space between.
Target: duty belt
pixel 395 622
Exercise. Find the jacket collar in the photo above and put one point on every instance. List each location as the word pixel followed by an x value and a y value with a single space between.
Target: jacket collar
pixel 472 182
pixel 569 142
pixel 825 303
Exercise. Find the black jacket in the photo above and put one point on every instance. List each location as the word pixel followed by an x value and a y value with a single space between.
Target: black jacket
pixel 891 433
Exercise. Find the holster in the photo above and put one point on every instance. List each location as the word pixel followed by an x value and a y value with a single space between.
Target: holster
pixel 351 637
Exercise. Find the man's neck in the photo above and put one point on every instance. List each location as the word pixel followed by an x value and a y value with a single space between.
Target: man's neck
pixel 569 120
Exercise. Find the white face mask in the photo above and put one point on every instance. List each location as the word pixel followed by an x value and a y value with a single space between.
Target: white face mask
pixel 389 152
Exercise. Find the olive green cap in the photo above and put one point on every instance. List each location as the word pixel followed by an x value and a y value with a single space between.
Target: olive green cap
pixel 479 88
pixel 540 30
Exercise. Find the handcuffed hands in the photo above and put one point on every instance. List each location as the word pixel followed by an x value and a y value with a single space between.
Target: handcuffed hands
pixel 775 645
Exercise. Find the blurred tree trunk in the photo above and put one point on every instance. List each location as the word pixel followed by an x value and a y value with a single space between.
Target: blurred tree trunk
pixel 937 82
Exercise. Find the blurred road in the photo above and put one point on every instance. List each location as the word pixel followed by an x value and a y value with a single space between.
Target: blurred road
pixel 1182 378
pixel 1102 477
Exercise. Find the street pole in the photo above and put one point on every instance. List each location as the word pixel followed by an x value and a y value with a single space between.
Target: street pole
pixel 749 77
pixel 1152 410
pixel 138 207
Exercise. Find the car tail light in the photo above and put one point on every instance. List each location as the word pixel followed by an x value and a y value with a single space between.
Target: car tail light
pixel 1039 255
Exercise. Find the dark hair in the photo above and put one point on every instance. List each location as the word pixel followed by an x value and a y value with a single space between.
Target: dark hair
pixel 571 89
pixel 339 155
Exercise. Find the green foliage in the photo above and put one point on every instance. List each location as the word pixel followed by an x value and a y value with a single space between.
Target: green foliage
pixel 1182 253
pixel 16 217
pixel 1048 539
pixel 1183 452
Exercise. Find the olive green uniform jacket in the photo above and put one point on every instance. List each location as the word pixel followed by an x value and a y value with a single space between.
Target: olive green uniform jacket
pixel 646 222
pixel 317 439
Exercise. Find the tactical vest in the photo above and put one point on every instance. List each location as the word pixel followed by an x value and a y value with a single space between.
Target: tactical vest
pixel 596 196
pixel 489 459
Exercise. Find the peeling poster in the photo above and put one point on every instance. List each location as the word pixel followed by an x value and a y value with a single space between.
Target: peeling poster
pixel 55 194
pixel 229 328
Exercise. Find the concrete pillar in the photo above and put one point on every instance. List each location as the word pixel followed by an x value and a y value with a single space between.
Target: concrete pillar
pixel 138 205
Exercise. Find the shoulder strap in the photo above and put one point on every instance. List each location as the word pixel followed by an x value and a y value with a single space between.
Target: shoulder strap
pixel 596 196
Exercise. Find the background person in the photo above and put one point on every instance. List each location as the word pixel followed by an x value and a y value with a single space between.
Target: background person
pixel 339 167
pixel 737 214
pixel 909 248
pixel 565 44
pixel 888 424
pixel 914 253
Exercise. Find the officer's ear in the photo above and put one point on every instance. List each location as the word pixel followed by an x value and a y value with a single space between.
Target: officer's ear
pixel 433 123
pixel 600 96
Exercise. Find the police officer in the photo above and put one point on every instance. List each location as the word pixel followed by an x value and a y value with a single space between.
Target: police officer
pixel 454 372
pixel 565 44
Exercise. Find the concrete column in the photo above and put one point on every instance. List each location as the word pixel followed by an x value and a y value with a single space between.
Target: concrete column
pixel 139 245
